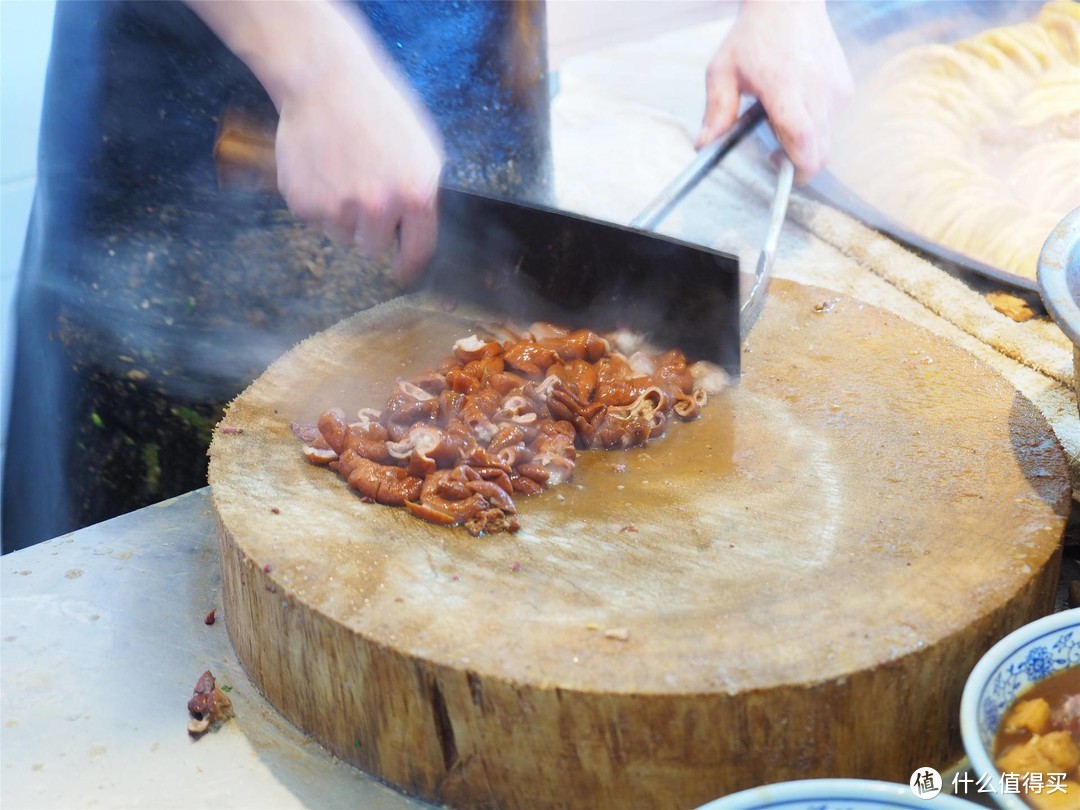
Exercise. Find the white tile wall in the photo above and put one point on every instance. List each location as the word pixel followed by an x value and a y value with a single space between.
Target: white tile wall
pixel 25 34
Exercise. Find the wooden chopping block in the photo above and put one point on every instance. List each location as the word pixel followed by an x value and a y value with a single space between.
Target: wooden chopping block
pixel 796 585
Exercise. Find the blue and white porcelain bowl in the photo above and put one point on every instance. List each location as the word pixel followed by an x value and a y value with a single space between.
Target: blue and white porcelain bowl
pixel 835 794
pixel 1006 671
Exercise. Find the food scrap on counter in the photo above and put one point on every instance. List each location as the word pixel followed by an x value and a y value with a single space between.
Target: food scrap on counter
pixel 209 706
pixel 506 417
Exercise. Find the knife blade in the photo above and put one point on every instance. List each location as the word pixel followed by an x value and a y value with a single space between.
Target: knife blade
pixel 533 262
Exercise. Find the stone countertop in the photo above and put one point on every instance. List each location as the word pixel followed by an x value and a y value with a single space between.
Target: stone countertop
pixel 103 638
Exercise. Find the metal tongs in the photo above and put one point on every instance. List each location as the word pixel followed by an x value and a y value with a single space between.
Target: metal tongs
pixel 752 287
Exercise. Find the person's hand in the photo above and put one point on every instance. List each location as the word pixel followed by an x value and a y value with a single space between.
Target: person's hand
pixel 356 152
pixel 357 155
pixel 786 54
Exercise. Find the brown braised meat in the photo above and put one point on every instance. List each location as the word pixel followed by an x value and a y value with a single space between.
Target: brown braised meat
pixel 496 420
pixel 209 706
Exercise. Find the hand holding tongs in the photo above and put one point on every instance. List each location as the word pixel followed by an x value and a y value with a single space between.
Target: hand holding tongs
pixel 706 159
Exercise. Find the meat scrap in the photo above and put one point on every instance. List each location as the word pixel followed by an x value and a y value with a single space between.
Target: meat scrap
pixel 499 419
pixel 1010 306
pixel 209 706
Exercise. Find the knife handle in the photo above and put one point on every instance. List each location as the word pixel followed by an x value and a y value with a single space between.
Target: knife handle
pixel 244 152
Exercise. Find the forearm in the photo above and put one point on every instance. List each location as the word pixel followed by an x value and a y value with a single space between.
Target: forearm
pixel 290 45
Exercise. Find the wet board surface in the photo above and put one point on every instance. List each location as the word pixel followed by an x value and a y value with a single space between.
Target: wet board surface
pixel 805 575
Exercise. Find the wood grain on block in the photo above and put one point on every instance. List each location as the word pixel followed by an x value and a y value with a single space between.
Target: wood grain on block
pixel 796 585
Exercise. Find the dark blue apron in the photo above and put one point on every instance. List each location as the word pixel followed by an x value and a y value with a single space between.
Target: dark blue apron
pixel 148 298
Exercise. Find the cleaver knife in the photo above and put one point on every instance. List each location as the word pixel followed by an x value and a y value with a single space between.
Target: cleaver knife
pixel 533 262
pixel 536 263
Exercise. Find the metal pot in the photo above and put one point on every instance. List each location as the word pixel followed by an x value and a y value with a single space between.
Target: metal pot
pixel 1059 282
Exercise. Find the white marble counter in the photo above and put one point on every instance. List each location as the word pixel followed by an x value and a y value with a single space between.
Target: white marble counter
pixel 102 638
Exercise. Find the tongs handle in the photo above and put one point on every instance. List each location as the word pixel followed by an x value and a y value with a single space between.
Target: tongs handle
pixel 655 212
pixel 755 296
pixel 706 159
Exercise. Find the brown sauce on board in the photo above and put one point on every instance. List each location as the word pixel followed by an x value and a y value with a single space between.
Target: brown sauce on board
pixel 1039 742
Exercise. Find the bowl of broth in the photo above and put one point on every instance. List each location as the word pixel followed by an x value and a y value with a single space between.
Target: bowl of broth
pixel 1020 716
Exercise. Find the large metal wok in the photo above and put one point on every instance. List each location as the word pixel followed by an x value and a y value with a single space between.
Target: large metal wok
pixel 871 33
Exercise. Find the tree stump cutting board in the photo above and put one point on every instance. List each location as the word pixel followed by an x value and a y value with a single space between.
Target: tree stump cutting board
pixel 796 585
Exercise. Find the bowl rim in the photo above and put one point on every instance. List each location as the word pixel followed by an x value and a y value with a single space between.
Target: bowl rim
pixel 1052 273
pixel 889 794
pixel 978 682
